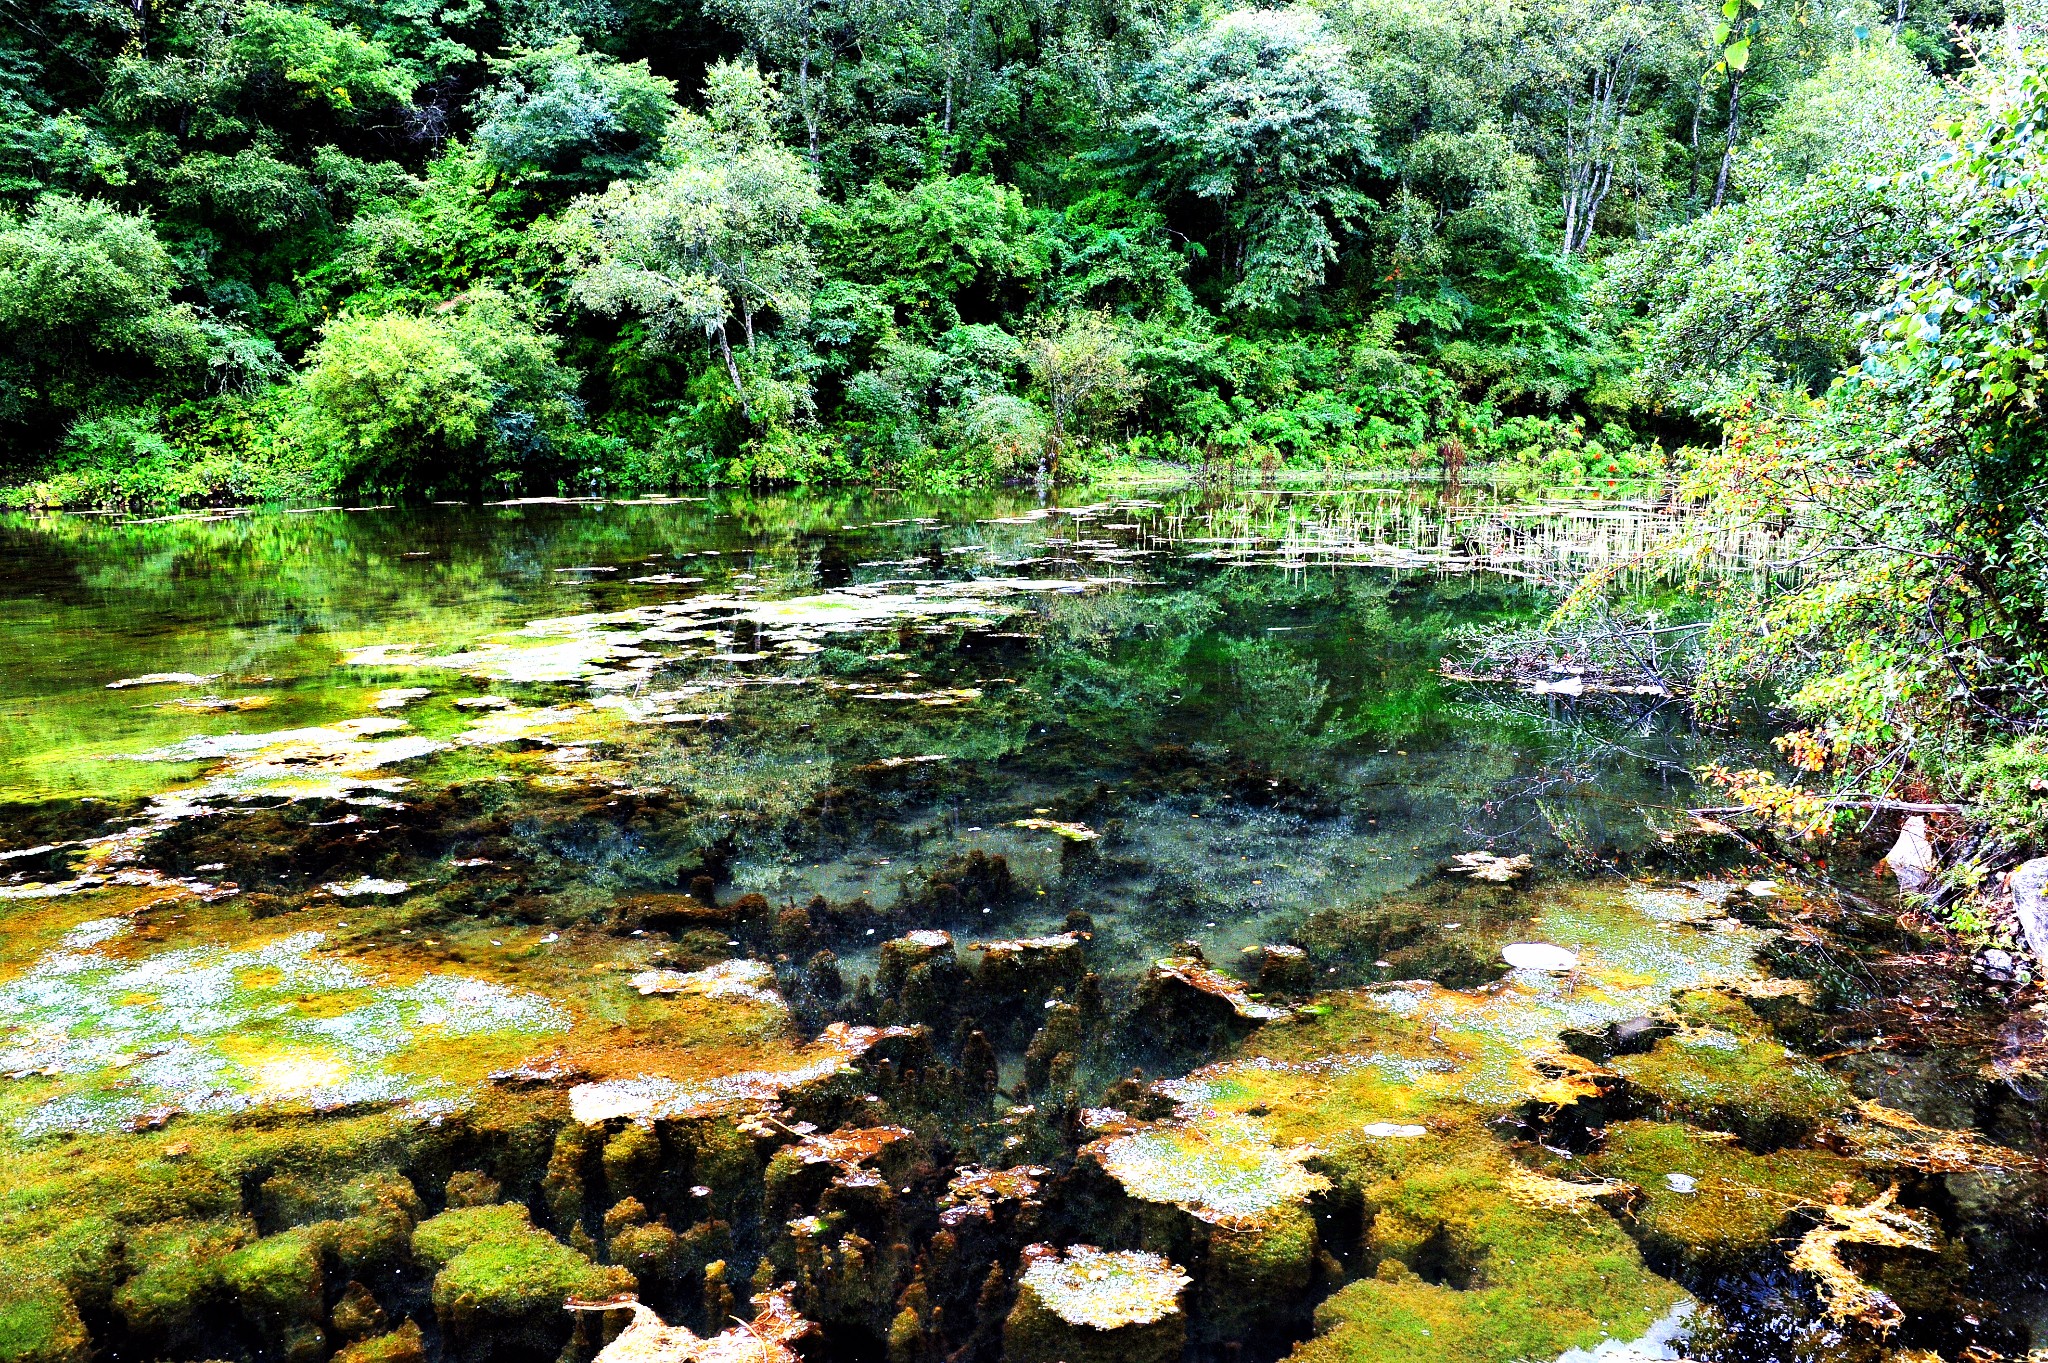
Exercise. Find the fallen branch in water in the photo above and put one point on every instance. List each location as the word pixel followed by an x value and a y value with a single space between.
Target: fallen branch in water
pixel 1881 806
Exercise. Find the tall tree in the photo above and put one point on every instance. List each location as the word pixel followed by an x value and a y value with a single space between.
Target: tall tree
pixel 1261 114
pixel 716 236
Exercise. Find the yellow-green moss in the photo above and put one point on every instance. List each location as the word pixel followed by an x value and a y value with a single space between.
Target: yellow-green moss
pixel 1736 1201
pixel 1257 1272
pixel 402 1345
pixel 277 1280
pixel 179 1276
pixel 39 1322
pixel 1724 1070
pixel 493 1265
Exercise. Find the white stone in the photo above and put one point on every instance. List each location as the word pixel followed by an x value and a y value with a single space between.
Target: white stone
pixel 2030 901
pixel 1912 857
pixel 1539 956
pixel 1401 1130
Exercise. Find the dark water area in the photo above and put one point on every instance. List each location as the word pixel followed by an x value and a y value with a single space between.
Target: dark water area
pixel 868 928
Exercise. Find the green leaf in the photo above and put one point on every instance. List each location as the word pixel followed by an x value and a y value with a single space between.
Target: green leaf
pixel 1731 9
pixel 1737 55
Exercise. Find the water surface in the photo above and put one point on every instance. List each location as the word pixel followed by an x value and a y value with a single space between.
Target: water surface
pixel 332 816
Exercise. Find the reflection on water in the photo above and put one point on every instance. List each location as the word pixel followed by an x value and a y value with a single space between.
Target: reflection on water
pixel 996 794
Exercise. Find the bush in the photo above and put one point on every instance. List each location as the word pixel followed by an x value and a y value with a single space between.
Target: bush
pixel 453 401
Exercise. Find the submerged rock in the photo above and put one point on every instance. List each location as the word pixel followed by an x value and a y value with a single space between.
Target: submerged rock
pixel 648 1339
pixel 1184 997
pixel 1488 867
pixel 1705 1202
pixel 1088 1305
pixel 500 1282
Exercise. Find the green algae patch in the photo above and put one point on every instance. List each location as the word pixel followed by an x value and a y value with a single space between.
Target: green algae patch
pixel 1226 1170
pixel 493 1268
pixel 1466 1253
pixel 1402 1319
pixel 39 1322
pixel 1707 1200
pixel 1723 1069
pixel 1480 1261
pixel 227 1028
pixel 1087 1305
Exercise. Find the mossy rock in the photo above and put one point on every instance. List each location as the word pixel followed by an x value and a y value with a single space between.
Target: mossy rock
pixel 277 1281
pixel 39 1323
pixel 1723 1070
pixel 1039 1330
pixel 1726 1203
pixel 179 1283
pixel 495 1270
pixel 1257 1275
pixel 83 1257
pixel 403 1345
pixel 1400 1318
pixel 1477 1267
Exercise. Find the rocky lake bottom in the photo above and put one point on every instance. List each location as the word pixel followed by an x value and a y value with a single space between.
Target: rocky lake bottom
pixel 837 928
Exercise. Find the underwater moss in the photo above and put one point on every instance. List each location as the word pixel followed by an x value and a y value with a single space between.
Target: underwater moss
pixel 403 1345
pixel 1722 1069
pixel 39 1322
pixel 1086 1305
pixel 1706 1200
pixel 1256 1273
pixel 277 1280
pixel 179 1277
pixel 493 1268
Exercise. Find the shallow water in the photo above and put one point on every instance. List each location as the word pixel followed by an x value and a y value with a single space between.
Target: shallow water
pixel 359 849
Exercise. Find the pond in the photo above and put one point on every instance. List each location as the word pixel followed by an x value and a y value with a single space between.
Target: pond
pixel 862 927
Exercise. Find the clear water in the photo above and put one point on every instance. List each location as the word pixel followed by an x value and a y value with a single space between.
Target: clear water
pixel 508 734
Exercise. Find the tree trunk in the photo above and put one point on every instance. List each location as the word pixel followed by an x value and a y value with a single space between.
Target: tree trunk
pixel 1049 455
pixel 1734 127
pixel 1692 191
pixel 803 98
pixel 732 368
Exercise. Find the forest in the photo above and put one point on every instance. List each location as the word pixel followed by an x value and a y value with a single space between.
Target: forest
pixel 262 252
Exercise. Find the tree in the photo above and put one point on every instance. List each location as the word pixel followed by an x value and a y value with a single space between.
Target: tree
pixel 87 310
pixel 442 401
pixel 1261 114
pixel 323 63
pixel 715 236
pixel 790 31
pixel 1595 52
pixel 577 116
pixel 1741 25
pixel 1769 291
pixel 1081 365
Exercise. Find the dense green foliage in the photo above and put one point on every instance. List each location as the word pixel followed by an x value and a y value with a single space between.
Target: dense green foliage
pixel 1870 324
pixel 255 250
